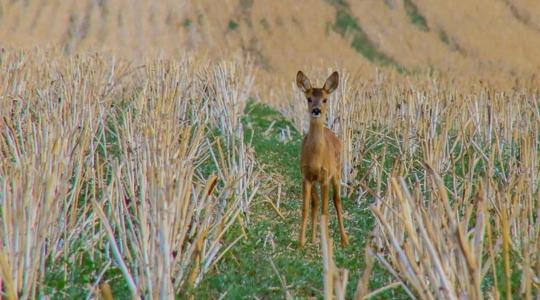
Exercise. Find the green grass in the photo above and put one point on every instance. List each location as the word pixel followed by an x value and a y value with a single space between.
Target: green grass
pixel 444 37
pixel 347 26
pixel 246 270
pixel 415 16
pixel 65 280
pixel 232 25
pixel 515 277
pixel 449 42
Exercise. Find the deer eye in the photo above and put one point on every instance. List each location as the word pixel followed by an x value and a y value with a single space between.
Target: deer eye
pixel 324 101
pixel 309 100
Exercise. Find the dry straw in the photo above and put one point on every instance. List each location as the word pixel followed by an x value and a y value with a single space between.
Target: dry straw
pixel 120 157
pixel 49 117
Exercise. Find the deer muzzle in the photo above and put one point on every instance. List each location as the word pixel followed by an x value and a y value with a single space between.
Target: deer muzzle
pixel 316 112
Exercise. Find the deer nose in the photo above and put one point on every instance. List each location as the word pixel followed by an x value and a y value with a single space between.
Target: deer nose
pixel 316 111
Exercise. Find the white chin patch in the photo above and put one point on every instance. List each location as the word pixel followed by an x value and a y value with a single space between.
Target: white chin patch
pixel 315 115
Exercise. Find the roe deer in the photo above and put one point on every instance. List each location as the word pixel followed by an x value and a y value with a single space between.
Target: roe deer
pixel 320 159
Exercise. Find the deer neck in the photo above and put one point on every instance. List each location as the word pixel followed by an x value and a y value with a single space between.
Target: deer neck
pixel 316 131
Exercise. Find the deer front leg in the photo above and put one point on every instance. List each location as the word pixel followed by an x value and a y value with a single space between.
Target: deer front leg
pixel 324 199
pixel 306 187
pixel 314 213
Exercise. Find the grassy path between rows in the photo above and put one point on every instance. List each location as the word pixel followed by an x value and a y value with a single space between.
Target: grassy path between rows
pixel 249 270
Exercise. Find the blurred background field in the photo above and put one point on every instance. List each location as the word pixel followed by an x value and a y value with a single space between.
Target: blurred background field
pixel 485 36
pixel 150 149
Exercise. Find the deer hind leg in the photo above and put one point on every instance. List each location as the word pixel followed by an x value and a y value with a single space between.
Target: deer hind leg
pixel 339 211
pixel 306 187
pixel 314 213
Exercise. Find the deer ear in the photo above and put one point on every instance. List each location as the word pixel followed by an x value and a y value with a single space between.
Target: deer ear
pixel 331 83
pixel 302 81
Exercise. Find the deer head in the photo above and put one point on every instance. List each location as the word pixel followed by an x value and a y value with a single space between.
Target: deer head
pixel 317 98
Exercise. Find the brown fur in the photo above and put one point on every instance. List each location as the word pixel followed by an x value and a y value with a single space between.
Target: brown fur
pixel 320 158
